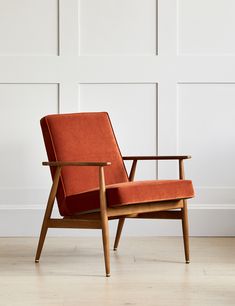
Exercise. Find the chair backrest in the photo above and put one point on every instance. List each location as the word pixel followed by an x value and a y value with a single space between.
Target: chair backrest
pixel 82 137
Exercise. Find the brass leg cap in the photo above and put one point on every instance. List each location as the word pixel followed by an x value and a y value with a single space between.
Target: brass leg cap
pixel 187 261
pixel 36 260
pixel 108 275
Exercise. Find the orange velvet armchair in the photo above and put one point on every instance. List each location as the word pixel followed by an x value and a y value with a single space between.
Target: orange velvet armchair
pixel 91 184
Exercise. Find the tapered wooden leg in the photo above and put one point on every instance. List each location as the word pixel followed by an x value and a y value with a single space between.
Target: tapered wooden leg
pixel 185 231
pixel 41 240
pixel 105 236
pixel 184 211
pixel 104 221
pixel 118 234
pixel 48 212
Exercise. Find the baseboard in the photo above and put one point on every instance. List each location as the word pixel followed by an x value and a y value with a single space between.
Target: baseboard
pixel 204 220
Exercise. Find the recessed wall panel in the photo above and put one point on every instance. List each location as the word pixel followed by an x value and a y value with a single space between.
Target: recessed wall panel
pixel 23 179
pixel 206 27
pixel 123 27
pixel 28 27
pixel 133 112
pixel 207 131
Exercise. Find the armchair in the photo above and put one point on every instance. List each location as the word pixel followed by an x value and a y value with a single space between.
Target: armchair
pixel 91 184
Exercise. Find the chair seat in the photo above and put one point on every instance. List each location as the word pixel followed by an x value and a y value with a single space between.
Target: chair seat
pixel 131 193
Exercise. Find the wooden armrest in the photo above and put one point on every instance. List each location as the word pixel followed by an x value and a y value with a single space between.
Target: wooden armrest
pixel 75 163
pixel 180 157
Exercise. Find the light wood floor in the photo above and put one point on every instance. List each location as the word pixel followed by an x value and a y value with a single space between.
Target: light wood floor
pixel 144 271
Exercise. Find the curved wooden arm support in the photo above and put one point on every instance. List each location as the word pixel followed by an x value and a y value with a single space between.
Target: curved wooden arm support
pixel 60 164
pixel 180 158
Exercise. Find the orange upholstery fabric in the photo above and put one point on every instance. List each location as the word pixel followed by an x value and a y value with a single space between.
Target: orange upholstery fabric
pixel 132 193
pixel 82 137
pixel 89 137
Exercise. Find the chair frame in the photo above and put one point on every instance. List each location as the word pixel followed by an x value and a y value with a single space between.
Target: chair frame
pixel 174 209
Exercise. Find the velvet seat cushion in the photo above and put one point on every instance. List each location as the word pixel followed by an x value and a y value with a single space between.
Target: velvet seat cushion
pixel 131 193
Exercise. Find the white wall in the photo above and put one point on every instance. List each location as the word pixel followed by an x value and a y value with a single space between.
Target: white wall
pixel 163 69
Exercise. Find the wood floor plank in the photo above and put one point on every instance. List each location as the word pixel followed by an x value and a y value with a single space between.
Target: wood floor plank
pixel 144 271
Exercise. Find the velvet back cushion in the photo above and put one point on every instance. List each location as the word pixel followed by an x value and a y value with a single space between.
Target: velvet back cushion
pixel 82 137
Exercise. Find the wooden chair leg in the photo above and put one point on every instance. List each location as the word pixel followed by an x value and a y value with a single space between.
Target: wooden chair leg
pixel 118 233
pixel 185 231
pixel 104 221
pixel 41 240
pixel 105 236
pixel 48 212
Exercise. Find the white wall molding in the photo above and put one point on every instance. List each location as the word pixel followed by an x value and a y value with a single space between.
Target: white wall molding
pixel 72 47
pixel 204 221
pixel 221 206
